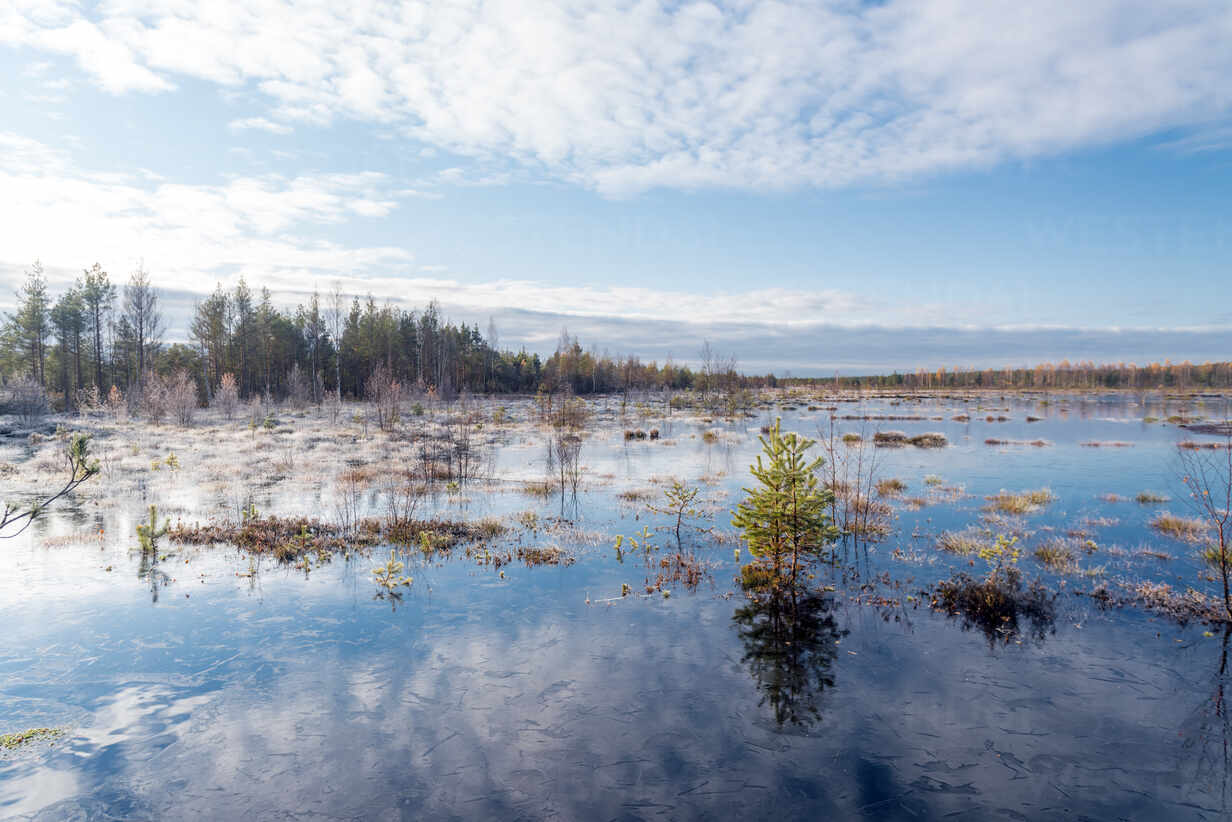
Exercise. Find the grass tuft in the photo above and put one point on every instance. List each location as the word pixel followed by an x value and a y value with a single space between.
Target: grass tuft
pixel 1023 502
pixel 1182 528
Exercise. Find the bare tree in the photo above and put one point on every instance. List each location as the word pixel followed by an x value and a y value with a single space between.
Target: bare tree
pixel 385 393
pixel 1207 475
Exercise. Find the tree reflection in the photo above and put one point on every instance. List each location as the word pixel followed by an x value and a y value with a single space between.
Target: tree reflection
pixel 148 570
pixel 1211 735
pixel 790 642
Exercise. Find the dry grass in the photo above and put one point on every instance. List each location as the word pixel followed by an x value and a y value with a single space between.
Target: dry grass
pixel 1058 555
pixel 1181 528
pixel 1150 498
pixel 1023 502
pixel 891 487
pixel 965 543
pixel 1190 445
pixel 544 555
pixel 636 495
pixel 892 439
pixel 539 488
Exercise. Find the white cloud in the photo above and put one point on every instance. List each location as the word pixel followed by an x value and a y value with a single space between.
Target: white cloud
pixel 186 233
pixel 626 95
pixel 259 124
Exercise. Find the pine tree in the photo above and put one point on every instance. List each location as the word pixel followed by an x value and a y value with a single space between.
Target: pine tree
pixel 98 294
pixel 68 318
pixel 784 520
pixel 29 327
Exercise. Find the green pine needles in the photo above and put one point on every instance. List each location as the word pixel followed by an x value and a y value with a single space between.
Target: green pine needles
pixel 148 533
pixel 784 519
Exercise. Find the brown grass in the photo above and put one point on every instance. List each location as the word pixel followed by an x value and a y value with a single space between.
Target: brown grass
pixel 1181 528
pixel 1022 502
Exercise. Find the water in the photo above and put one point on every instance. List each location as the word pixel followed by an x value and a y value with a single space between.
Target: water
pixel 203 692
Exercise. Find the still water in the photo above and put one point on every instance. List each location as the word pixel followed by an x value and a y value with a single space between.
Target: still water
pixel 200 690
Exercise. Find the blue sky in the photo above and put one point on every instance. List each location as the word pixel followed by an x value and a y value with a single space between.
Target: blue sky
pixel 812 186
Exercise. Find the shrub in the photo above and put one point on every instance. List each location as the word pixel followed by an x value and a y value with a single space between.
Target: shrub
pixel 117 406
pixel 227 398
pixel 181 396
pixel 385 394
pixel 153 401
pixel 28 400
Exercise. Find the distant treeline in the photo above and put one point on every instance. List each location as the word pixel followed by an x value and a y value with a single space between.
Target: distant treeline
pixel 95 336
pixel 1181 376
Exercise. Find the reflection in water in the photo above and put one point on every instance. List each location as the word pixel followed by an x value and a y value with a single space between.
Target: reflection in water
pixel 1211 737
pixel 148 570
pixel 999 606
pixel 790 642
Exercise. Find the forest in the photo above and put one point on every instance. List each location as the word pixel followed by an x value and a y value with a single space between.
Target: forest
pixel 98 342
pixel 97 339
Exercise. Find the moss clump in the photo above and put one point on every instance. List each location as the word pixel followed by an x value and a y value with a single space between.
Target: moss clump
pixel 10 742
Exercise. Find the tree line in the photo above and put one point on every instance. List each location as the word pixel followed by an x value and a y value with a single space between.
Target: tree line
pixel 100 338
pixel 1181 376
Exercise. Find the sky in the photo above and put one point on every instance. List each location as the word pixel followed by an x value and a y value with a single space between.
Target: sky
pixel 812 187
